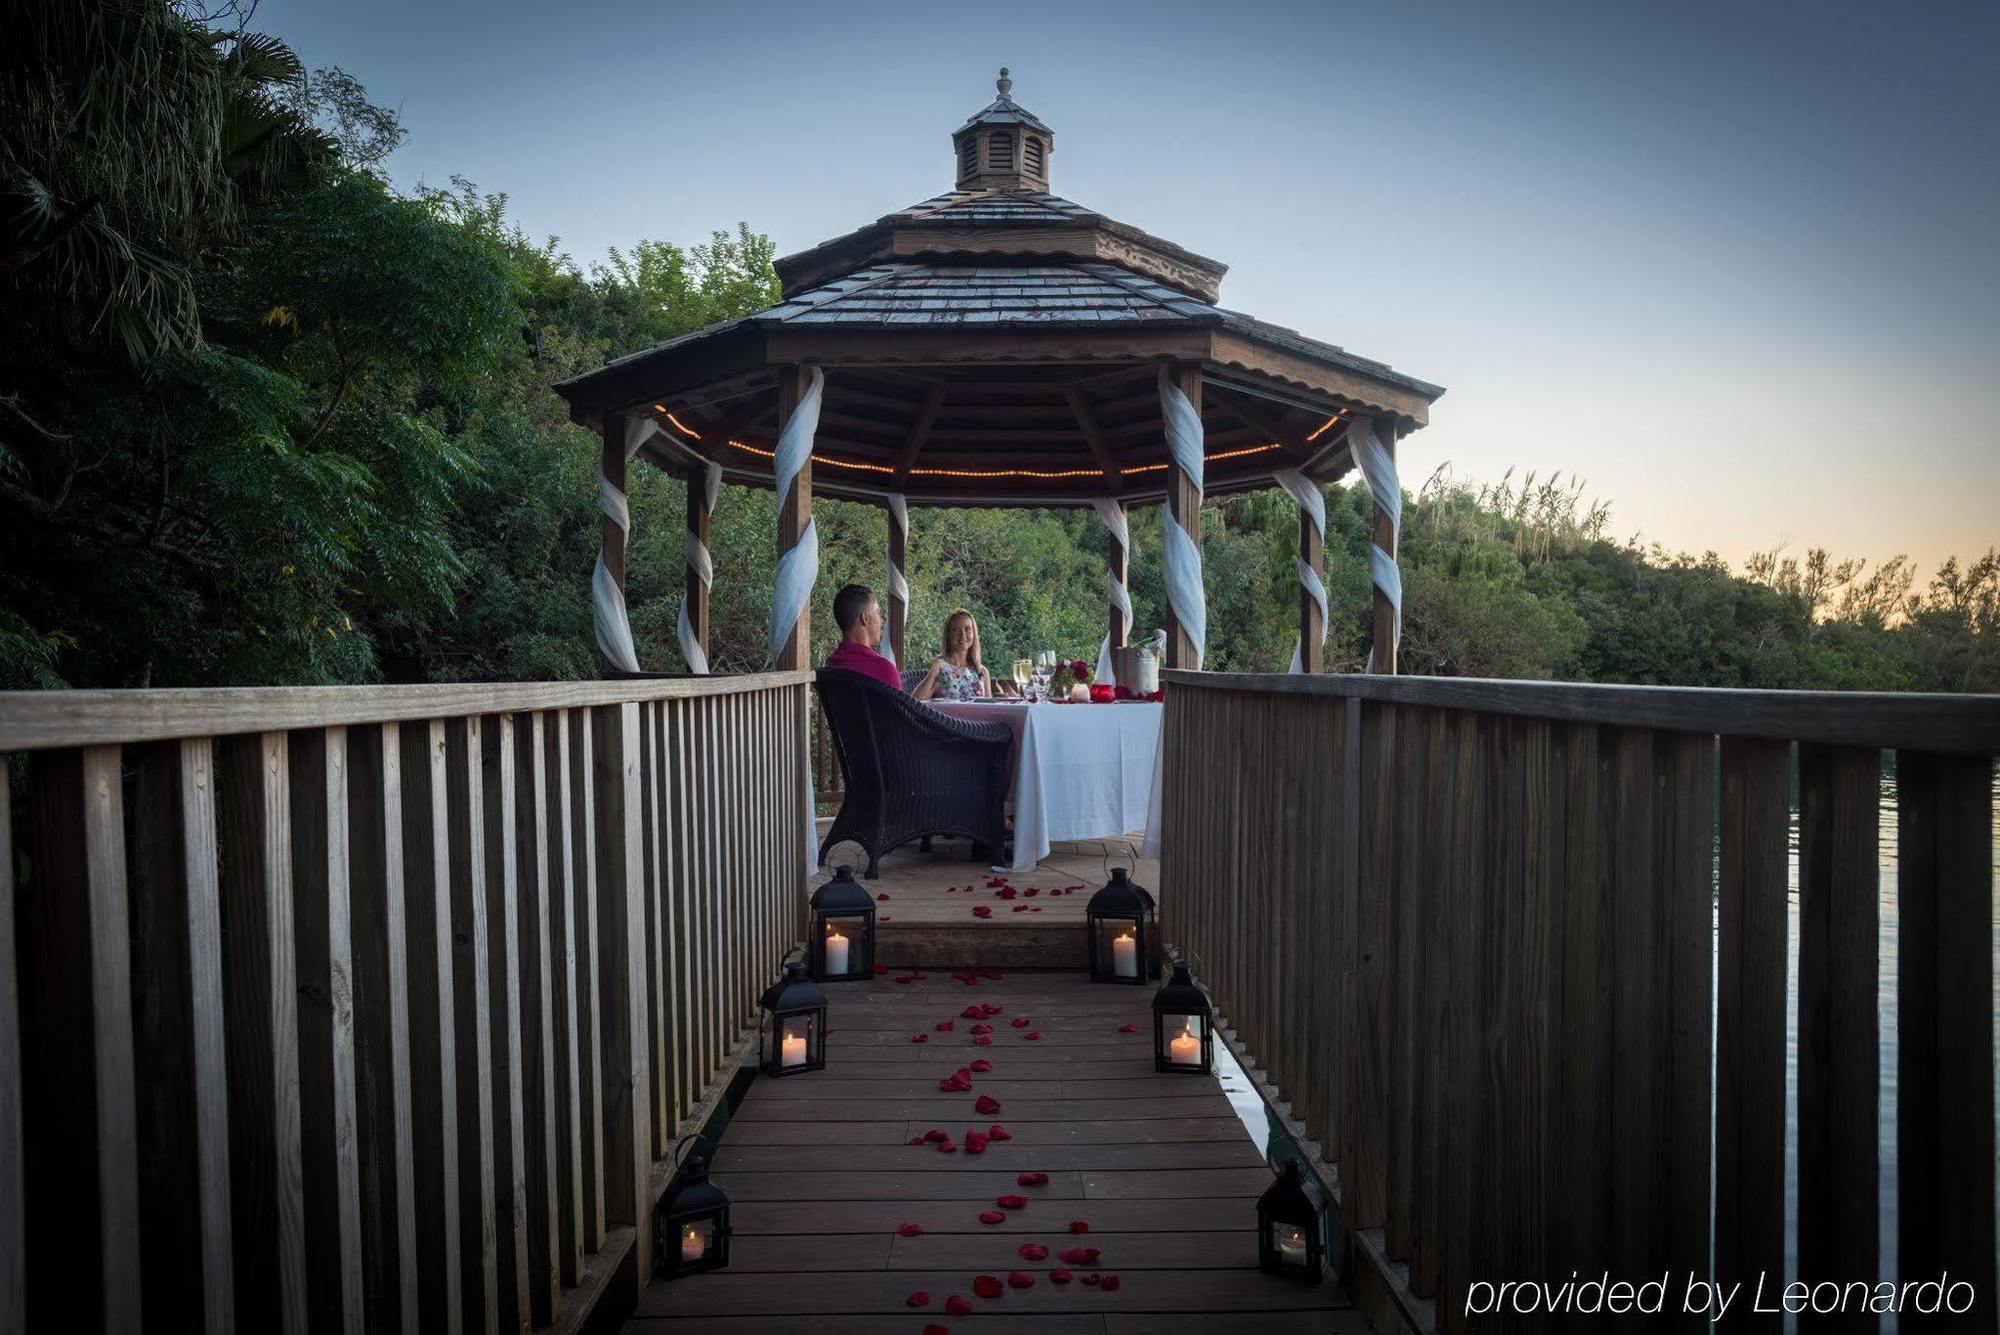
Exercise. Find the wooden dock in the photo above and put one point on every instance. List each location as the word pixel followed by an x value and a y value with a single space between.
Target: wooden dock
pixel 823 1177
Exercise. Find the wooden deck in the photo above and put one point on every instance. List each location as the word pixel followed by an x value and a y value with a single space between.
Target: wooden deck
pixel 823 1176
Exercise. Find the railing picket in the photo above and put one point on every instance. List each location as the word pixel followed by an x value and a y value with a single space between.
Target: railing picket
pixel 563 988
pixel 1750 1018
pixel 539 1080
pixel 180 1080
pixel 1465 1253
pixel 589 1034
pixel 1434 1016
pixel 1364 1175
pixel 498 780
pixel 659 1045
pixel 1407 946
pixel 323 922
pixel 433 1057
pixel 1839 919
pixel 471 1012
pixel 1638 1006
pixel 382 1026
pixel 1685 885
pixel 79 1108
pixel 13 1188
pixel 1944 1079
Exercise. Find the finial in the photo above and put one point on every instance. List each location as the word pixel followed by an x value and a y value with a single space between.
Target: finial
pixel 1003 83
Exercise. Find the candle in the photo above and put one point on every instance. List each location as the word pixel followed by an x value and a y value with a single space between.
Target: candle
pixel 1292 1244
pixel 692 1245
pixel 836 950
pixel 793 1052
pixel 1125 957
pixel 1185 1050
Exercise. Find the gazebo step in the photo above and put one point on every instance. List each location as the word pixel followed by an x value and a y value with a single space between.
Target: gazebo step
pixel 986 945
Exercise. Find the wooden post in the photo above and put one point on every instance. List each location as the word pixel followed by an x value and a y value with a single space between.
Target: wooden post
pixel 1385 538
pixel 698 518
pixel 613 463
pixel 1184 503
pixel 899 608
pixel 1119 562
pixel 794 513
pixel 1312 551
pixel 621 920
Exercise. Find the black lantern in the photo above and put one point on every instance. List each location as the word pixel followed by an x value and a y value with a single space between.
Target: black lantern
pixel 843 930
pixel 691 1224
pixel 1289 1222
pixel 1120 926
pixel 1183 1025
pixel 791 1037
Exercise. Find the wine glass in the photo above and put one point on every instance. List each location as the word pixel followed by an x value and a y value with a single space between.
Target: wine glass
pixel 1021 669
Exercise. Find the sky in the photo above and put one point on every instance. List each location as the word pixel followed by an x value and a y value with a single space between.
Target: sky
pixel 1737 266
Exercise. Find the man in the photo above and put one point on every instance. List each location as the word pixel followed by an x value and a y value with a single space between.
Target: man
pixel 859 617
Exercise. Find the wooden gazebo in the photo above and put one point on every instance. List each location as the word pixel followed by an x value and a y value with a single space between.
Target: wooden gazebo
pixel 999 345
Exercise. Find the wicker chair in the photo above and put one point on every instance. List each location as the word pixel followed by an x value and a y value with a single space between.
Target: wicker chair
pixel 911 772
pixel 913 678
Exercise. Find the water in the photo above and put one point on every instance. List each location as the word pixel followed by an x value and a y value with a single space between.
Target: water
pixel 1886 1022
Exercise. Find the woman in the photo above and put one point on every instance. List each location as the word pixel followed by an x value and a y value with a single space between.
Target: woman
pixel 957 674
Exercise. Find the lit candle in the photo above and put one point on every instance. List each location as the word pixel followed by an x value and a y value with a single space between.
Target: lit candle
pixel 691 1244
pixel 1292 1244
pixel 836 950
pixel 1185 1050
pixel 793 1052
pixel 1125 957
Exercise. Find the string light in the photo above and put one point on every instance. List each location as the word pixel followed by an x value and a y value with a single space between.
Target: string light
pixel 1321 428
pixel 1039 474
pixel 683 429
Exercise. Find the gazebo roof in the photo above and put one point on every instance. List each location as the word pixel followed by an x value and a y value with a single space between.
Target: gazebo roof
pixel 999 344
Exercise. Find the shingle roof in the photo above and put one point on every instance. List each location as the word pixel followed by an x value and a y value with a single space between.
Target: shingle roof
pixel 995 206
pixel 1004 110
pixel 930 294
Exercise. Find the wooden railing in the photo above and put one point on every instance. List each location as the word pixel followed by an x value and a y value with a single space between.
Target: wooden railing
pixel 1470 931
pixel 375 1008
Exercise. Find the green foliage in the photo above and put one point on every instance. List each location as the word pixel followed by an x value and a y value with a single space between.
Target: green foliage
pixel 263 419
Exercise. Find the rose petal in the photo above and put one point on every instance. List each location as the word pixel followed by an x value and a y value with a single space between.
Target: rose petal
pixel 911 1230
pixel 1020 1279
pixel 1061 1276
pixel 881 969
pixel 975 1143
pixel 1080 1256
pixel 998 1132
pixel 1008 893
pixel 990 1009
pixel 946 1147
pixel 972 1013
pixel 920 1038
pixel 1032 891
pixel 981 1065
pixel 986 1105
pixel 983 1042
pixel 944 1026
pixel 981 911
pixel 1036 909
pixel 963 1075
pixel 1078 1226
pixel 986 1286
pixel 905 982
pixel 1019 1022
pixel 1033 1179
pixel 1110 1284
pixel 1019 908
pixel 1012 1202
pixel 917 974
pixel 1032 1036
pixel 1091 1278
pixel 918 1299
pixel 881 897
pixel 935 1134
pixel 992 1216
pixel 916 1140
pixel 1032 1251
pixel 958 1306
pixel 934 1328
pixel 1128 1028
pixel 980 1029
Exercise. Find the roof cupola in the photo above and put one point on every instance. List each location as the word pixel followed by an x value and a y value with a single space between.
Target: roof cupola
pixel 1004 147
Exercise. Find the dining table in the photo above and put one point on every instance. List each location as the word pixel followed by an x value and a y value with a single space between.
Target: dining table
pixel 1080 771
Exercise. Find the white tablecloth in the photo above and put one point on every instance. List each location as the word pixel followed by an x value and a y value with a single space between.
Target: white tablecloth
pixel 1081 772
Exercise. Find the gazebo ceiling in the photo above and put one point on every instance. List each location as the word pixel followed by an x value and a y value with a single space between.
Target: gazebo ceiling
pixel 1001 345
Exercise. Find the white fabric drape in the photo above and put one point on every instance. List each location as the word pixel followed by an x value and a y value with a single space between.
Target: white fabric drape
pixel 1385 488
pixel 703 566
pixel 899 588
pixel 1112 512
pixel 798 568
pixel 1312 504
pixel 607 600
pixel 1183 555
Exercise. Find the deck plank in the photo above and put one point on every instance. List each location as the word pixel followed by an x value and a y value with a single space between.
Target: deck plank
pixel 822 1176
